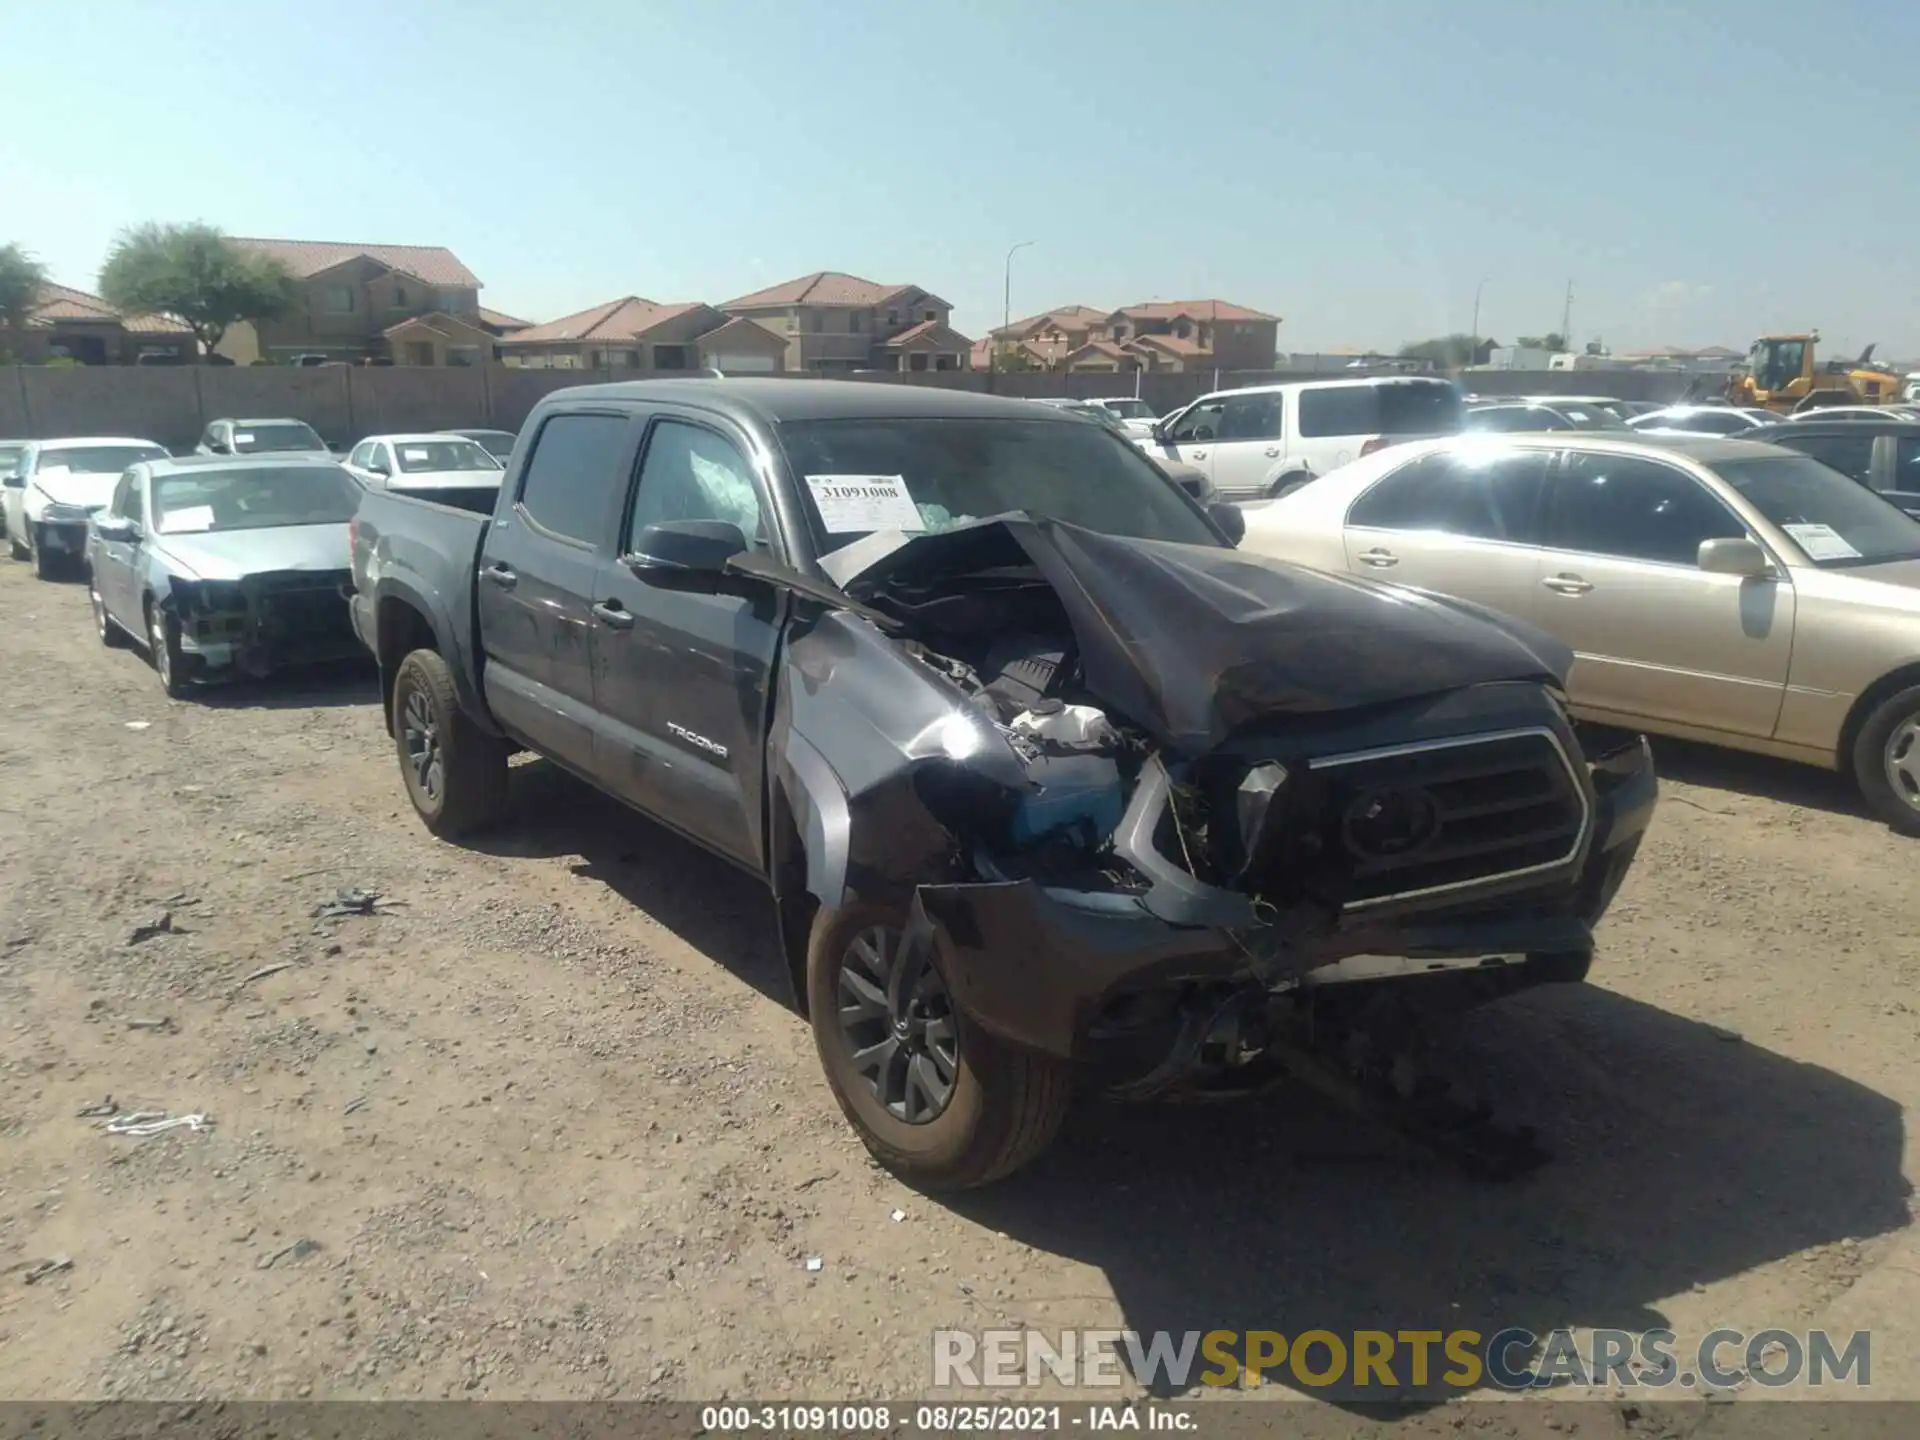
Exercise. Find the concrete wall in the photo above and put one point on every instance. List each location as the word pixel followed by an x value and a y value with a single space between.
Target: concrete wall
pixel 173 404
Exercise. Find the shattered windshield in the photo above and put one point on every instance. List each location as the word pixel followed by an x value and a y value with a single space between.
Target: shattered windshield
pixel 860 476
pixel 252 499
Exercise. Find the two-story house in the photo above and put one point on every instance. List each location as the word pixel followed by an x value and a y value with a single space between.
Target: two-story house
pixel 408 304
pixel 644 337
pixel 837 323
pixel 1157 335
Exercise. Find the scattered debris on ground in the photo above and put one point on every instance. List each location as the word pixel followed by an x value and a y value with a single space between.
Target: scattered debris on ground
pixel 141 1123
pixel 161 924
pixel 51 1266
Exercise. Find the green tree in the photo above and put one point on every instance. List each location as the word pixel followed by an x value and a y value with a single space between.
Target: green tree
pixel 1553 340
pixel 193 274
pixel 1449 352
pixel 21 277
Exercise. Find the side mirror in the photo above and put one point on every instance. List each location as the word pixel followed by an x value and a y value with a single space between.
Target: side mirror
pixel 116 528
pixel 14 481
pixel 1741 557
pixel 219 447
pixel 376 467
pixel 1230 518
pixel 686 554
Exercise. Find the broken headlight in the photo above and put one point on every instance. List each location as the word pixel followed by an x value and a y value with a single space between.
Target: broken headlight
pixel 211 598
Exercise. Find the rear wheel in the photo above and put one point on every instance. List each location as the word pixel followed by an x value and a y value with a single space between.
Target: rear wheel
pixel 456 774
pixel 1886 760
pixel 46 564
pixel 1287 484
pixel 936 1101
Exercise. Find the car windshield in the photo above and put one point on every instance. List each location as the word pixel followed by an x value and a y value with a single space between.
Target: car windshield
pixel 1130 409
pixel 1838 522
pixel 247 498
pixel 269 437
pixel 97 459
pixel 497 443
pixel 418 456
pixel 927 474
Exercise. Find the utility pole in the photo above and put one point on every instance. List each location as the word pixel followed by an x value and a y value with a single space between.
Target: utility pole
pixel 1566 319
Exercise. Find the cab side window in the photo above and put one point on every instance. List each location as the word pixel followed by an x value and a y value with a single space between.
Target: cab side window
pixel 567 483
pixel 692 473
pixel 1199 424
pixel 125 502
pixel 1635 509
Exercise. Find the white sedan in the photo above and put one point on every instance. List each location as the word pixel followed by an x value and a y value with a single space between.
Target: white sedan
pixel 424 464
pixel 51 488
pixel 1133 412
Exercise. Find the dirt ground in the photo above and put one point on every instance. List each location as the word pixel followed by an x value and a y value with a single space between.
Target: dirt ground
pixel 545 1127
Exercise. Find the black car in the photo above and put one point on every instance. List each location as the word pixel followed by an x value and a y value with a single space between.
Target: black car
pixel 1883 455
pixel 1048 780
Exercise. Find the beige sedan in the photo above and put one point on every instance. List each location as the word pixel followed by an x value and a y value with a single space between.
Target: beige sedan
pixel 1719 590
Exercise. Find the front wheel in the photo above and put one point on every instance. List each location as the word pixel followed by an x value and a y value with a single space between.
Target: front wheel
pixel 46 564
pixel 163 649
pixel 936 1101
pixel 1886 760
pixel 456 773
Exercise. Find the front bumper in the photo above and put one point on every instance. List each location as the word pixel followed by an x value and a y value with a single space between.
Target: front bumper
pixel 266 623
pixel 61 537
pixel 1041 967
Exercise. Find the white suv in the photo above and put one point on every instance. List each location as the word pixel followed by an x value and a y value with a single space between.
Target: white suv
pixel 1271 439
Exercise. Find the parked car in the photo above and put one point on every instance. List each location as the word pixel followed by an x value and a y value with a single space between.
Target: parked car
pixel 54 486
pixel 1086 410
pixel 260 437
pixel 933 664
pixel 224 566
pixel 1622 410
pixel 434 465
pixel 1883 455
pixel 497 443
pixel 1539 415
pixel 12 452
pixel 1133 412
pixel 1825 413
pixel 1718 590
pixel 1704 420
pixel 1271 439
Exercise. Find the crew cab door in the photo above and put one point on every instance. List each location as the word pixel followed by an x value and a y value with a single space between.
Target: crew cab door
pixel 535 586
pixel 1250 445
pixel 1656 639
pixel 1191 438
pixel 681 678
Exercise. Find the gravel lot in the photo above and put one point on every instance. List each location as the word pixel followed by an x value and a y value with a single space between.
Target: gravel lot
pixel 545 1126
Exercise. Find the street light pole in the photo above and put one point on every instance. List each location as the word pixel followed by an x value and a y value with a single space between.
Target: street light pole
pixel 1006 311
pixel 1473 340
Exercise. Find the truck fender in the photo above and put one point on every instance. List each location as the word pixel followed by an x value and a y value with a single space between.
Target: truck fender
pixel 818 804
pixel 1288 475
pixel 440 625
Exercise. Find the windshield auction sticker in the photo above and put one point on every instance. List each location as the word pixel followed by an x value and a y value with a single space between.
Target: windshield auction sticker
pixel 853 504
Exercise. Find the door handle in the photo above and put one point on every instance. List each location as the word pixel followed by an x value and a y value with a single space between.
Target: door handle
pixel 502 576
pixel 1567 584
pixel 614 615
pixel 1199 454
pixel 1273 452
pixel 1378 558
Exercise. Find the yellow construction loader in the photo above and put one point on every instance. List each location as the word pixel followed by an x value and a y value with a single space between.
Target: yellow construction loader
pixel 1780 375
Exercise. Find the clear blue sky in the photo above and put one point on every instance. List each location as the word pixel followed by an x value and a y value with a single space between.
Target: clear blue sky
pixel 1702 172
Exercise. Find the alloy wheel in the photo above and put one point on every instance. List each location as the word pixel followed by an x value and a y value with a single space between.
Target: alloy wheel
pixel 899 1026
pixel 422 737
pixel 1902 758
pixel 157 646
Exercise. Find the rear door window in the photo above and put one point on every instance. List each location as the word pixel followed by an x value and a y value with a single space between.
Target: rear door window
pixel 1906 465
pixel 1251 417
pixel 576 467
pixel 1392 407
pixel 1494 495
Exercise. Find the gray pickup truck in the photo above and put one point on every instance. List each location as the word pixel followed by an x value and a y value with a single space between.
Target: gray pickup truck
pixel 1048 782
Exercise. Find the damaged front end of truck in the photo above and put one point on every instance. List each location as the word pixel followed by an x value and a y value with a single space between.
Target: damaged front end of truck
pixel 1162 811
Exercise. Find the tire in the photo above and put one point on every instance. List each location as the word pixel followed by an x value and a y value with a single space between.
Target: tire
pixel 1286 485
pixel 1886 760
pixel 110 633
pixel 1003 1107
pixel 16 549
pixel 455 773
pixel 169 662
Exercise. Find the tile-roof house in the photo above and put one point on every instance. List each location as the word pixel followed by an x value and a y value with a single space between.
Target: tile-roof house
pixel 645 336
pixel 838 323
pixel 1207 334
pixel 69 324
pixel 1043 341
pixel 350 296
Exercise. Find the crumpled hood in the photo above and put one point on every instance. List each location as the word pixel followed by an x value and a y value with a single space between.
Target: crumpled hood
pixel 1192 642
pixel 236 554
pixel 64 487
